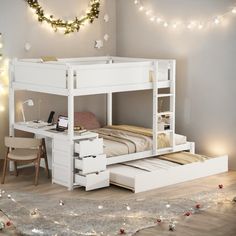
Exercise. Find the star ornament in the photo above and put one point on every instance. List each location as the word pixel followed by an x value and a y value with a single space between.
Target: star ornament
pixel 98 44
pixel 106 18
pixel 106 37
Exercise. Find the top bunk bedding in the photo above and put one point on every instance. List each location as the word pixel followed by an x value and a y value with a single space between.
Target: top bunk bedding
pixel 90 73
pixel 124 139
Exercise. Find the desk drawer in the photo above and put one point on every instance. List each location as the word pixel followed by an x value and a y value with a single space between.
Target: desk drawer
pixel 93 181
pixel 91 147
pixel 91 164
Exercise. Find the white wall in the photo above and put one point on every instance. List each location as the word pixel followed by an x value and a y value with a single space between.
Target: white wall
pixel 206 71
pixel 19 26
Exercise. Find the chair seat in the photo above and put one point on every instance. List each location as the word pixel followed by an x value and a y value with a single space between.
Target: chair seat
pixel 23 154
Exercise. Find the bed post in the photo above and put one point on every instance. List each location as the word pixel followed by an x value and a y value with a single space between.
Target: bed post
pixel 70 87
pixel 155 108
pixel 109 108
pixel 11 104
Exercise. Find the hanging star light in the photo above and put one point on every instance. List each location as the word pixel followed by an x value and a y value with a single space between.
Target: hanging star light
pixel 67 26
pixel 168 23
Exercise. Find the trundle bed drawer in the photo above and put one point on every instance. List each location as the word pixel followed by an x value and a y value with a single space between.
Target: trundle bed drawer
pixel 91 164
pixel 93 181
pixel 139 180
pixel 91 147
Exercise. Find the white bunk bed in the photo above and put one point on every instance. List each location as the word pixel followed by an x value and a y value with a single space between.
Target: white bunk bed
pixel 90 76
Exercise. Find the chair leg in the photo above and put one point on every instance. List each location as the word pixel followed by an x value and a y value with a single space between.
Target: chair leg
pixel 15 169
pixel 4 170
pixel 45 158
pixel 37 166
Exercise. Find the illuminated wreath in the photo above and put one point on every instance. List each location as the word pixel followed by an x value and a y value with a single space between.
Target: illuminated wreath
pixel 67 26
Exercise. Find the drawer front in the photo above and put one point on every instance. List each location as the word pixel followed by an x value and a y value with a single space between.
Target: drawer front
pixel 61 145
pixel 91 147
pixel 61 158
pixel 91 164
pixel 61 175
pixel 93 181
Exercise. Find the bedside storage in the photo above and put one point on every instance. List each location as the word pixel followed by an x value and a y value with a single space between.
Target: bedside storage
pixel 93 181
pixel 91 164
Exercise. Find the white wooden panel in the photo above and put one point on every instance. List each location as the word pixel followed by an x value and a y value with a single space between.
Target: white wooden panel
pixel 93 181
pixel 60 145
pixel 91 147
pixel 40 74
pixel 61 158
pixel 61 175
pixel 111 75
pixel 91 164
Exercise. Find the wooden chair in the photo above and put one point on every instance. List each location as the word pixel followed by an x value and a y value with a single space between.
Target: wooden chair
pixel 25 150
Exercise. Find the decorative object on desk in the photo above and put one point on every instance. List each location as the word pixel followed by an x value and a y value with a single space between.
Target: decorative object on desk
pixel 68 26
pixel 29 103
pixel 80 216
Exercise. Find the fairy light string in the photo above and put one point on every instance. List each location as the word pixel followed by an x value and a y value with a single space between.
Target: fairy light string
pixel 190 25
pixel 70 26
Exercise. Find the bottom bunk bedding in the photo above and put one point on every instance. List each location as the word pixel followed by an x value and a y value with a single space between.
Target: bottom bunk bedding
pixel 123 139
pixel 151 173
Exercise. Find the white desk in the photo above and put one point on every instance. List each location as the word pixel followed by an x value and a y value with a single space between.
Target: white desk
pixel 61 150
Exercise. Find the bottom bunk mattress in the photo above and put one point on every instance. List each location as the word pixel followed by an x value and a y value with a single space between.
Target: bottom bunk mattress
pixel 151 173
pixel 124 139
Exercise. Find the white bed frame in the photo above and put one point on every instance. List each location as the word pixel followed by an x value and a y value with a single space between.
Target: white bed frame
pixel 99 75
pixel 90 76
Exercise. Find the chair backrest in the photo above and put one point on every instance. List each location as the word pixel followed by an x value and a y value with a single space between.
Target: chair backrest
pixel 13 142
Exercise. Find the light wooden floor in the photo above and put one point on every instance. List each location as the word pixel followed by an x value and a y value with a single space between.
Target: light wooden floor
pixel 217 222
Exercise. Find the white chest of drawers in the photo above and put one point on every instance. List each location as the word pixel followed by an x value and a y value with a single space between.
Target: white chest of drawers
pixel 80 162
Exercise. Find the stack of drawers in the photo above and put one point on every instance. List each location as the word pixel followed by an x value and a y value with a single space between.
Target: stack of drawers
pixel 90 165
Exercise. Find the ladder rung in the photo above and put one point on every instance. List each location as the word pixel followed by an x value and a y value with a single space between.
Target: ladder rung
pixel 165 131
pixel 165 113
pixel 165 95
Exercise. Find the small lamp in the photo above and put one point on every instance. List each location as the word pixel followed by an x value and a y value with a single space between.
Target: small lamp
pixel 29 103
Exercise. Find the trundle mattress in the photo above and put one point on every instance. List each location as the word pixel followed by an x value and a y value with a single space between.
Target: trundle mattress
pixel 151 173
pixel 124 139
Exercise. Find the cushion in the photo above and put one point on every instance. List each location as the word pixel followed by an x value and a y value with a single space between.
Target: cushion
pixel 87 120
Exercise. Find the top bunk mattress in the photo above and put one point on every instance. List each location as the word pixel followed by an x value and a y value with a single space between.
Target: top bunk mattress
pixel 124 139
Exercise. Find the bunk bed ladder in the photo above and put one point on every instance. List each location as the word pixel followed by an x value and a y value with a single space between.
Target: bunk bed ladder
pixel 158 116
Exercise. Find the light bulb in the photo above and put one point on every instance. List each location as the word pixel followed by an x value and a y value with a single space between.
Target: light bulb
pixel 165 25
pixel 174 25
pixel 217 21
pixel 234 10
pixel 2 108
pixel 141 8
pixel 1 45
pixel 152 18
pixel 148 13
pixel 159 20
pixel 136 2
pixel 200 26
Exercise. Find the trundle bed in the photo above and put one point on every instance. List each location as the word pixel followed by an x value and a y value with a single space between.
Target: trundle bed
pixel 128 156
